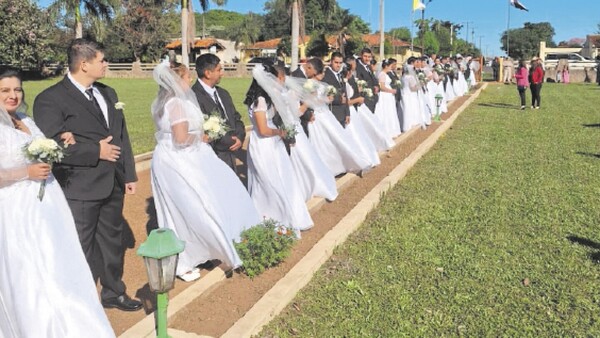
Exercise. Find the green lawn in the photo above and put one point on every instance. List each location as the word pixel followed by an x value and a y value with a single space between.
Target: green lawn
pixel 494 233
pixel 137 94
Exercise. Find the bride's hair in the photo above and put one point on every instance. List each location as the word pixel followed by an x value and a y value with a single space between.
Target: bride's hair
pixel 255 90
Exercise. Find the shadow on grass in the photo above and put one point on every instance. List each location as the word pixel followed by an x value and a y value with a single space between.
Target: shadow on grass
pixel 588 154
pixel 594 256
pixel 499 105
pixel 593 125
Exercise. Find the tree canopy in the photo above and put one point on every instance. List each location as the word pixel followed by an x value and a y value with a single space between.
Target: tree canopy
pixel 525 42
pixel 24 34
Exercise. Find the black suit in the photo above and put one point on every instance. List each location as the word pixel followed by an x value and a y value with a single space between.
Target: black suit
pixel 366 75
pixel 234 119
pixel 308 114
pixel 395 78
pixel 94 188
pixel 339 108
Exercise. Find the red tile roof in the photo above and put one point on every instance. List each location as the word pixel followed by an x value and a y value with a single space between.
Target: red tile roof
pixel 198 43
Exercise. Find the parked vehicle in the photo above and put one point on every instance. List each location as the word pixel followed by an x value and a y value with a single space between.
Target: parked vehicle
pixel 575 60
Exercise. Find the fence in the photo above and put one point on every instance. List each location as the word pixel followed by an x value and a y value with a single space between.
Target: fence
pixel 141 70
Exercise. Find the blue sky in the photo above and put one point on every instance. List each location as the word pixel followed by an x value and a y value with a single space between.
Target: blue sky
pixel 488 18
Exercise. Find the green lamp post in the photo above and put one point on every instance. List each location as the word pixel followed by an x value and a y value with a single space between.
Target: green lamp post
pixel 438 104
pixel 161 252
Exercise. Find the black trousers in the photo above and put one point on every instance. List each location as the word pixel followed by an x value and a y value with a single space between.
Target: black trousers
pixel 536 88
pixel 522 90
pixel 100 227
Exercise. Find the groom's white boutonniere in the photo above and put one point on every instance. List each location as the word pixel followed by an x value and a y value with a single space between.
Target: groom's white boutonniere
pixel 119 105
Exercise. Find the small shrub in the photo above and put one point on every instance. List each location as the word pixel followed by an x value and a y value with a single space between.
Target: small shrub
pixel 264 245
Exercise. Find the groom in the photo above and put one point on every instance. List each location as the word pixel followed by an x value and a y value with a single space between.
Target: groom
pixel 363 72
pixel 98 169
pixel 333 77
pixel 214 99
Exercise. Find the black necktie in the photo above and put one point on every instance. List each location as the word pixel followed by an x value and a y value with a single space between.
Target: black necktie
pixel 339 78
pixel 90 94
pixel 219 106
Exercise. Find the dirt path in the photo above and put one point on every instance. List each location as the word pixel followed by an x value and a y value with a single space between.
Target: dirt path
pixel 215 311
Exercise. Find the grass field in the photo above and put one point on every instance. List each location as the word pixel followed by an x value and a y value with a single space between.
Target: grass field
pixel 494 233
pixel 138 94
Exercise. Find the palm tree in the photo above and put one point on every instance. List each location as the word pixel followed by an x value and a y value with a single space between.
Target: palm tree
pixel 247 32
pixel 97 8
pixel 188 23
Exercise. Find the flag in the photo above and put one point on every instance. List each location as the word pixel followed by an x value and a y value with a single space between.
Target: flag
pixel 518 5
pixel 418 5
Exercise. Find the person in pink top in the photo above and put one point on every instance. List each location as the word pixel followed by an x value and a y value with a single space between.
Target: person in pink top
pixel 522 76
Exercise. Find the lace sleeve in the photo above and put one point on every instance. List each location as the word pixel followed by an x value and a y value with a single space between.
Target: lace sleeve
pixel 179 120
pixel 12 167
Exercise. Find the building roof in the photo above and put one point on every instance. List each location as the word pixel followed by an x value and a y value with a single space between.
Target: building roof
pixel 374 40
pixel 198 43
pixel 270 44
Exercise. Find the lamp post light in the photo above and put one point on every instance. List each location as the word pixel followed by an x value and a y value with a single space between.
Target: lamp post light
pixel 438 104
pixel 161 252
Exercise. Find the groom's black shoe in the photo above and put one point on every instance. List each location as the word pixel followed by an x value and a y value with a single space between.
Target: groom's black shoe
pixel 123 302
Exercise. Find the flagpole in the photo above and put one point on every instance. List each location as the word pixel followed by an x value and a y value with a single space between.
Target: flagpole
pixel 412 30
pixel 508 32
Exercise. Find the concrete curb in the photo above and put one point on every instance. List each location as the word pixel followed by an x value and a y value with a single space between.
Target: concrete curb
pixel 146 326
pixel 286 288
pixel 323 249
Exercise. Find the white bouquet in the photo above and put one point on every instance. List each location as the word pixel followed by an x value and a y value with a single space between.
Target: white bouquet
pixel 397 84
pixel 331 91
pixel 290 132
pixel 422 78
pixel 43 150
pixel 309 86
pixel 439 69
pixel 361 84
pixel 368 92
pixel 215 126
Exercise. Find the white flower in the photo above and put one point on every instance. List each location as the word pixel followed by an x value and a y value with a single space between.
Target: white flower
pixel 369 92
pixel 309 85
pixel 119 105
pixel 331 91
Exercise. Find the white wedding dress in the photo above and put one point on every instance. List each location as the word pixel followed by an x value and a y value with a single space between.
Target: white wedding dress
pixel 386 110
pixel 46 287
pixel 411 103
pixel 196 194
pixel 271 177
pixel 334 144
pixel 361 132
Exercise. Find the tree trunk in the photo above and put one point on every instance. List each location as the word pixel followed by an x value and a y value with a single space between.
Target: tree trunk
pixel 295 35
pixel 381 32
pixel 78 24
pixel 185 58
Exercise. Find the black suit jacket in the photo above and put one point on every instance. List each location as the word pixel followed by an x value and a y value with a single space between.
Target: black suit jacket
pixel 339 109
pixel 81 174
pixel 234 119
pixel 308 114
pixel 395 78
pixel 372 82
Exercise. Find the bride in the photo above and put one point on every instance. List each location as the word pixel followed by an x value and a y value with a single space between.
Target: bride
pixel 46 287
pixel 196 194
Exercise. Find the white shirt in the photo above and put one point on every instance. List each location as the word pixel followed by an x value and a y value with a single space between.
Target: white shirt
pixel 97 95
pixel 212 91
